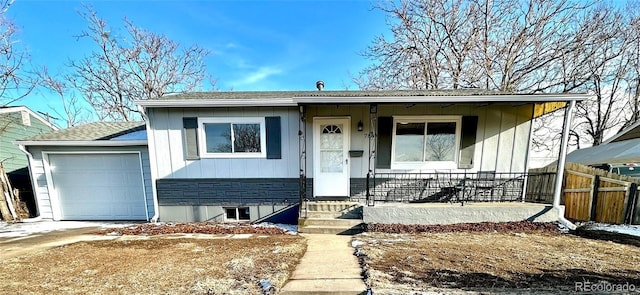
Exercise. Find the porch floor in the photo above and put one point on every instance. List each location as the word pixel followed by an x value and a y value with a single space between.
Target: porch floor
pixel 447 213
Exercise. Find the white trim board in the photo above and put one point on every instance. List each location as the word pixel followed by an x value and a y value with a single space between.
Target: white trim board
pixel 81 142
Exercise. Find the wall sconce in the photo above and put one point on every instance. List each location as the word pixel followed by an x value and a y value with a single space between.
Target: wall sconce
pixel 360 126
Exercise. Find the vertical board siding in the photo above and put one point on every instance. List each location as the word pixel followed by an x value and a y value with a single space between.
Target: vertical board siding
pixel 42 194
pixel 520 143
pixel 505 142
pixel 492 127
pixel 169 146
pixel 502 133
pixel 501 139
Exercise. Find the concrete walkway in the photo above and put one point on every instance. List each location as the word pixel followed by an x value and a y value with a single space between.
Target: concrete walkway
pixel 328 267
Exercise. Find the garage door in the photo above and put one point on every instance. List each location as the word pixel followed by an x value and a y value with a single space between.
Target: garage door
pixel 98 186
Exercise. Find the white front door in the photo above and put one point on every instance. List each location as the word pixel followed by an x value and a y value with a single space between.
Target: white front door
pixel 331 157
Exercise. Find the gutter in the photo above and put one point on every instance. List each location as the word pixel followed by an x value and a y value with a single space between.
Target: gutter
pixel 33 179
pixel 81 142
pixel 152 158
pixel 336 99
pixel 568 115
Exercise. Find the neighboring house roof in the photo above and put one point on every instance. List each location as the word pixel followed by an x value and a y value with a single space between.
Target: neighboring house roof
pixel 630 132
pixel 98 134
pixel 546 103
pixel 627 151
pixel 16 123
pixel 6 110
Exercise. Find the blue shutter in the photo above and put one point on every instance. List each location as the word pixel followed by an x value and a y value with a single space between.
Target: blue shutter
pixel 385 128
pixel 467 141
pixel 274 137
pixel 190 133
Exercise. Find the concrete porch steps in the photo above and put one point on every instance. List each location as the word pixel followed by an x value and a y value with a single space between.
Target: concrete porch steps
pixel 331 230
pixel 331 217
pixel 330 206
pixel 331 222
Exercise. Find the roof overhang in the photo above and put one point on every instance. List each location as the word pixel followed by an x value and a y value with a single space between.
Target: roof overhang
pixel 515 98
pixel 92 143
pixel 195 103
pixel 368 99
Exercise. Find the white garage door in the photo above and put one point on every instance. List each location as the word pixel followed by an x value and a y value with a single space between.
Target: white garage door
pixel 98 186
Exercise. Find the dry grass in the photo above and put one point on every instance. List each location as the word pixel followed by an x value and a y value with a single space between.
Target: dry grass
pixel 530 262
pixel 155 266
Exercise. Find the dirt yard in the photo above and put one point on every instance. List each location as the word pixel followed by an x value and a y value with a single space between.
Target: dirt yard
pixel 458 261
pixel 155 265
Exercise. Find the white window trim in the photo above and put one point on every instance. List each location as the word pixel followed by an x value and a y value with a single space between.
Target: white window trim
pixel 426 164
pixel 237 219
pixel 202 137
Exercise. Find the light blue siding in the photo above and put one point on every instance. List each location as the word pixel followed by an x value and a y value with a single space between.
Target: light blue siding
pixel 166 131
pixel 501 140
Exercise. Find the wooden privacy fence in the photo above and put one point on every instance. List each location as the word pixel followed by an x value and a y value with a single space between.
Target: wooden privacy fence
pixel 589 194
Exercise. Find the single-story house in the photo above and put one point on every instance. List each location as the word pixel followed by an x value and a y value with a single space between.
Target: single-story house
pixel 246 156
pixel 16 123
pixel 234 156
pixel 97 171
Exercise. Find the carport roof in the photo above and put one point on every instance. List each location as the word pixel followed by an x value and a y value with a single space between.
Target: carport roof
pixel 98 132
pixel 626 151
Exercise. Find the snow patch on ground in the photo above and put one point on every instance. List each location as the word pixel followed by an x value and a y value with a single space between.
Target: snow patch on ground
pixel 357 243
pixel 286 227
pixel 633 230
pixel 29 227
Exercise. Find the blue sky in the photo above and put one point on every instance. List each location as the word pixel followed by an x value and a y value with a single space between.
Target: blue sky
pixel 255 45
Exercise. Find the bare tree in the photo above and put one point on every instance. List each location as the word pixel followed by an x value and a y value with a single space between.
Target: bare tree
pixel 138 65
pixel 632 77
pixel 496 45
pixel 16 79
pixel 517 46
pixel 600 67
pixel 73 111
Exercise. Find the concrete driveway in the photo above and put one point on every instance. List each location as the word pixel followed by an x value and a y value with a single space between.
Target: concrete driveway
pixel 24 237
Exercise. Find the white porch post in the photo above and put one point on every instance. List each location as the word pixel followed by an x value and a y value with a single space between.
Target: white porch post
pixel 568 116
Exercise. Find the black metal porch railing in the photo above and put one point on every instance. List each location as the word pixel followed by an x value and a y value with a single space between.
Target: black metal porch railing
pixel 443 187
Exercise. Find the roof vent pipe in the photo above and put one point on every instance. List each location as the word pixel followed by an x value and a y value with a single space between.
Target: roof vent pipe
pixel 320 85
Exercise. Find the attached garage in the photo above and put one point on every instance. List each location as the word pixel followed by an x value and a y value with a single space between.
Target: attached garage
pixel 98 186
pixel 98 171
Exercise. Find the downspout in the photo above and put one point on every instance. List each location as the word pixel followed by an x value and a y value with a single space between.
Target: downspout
pixel 152 160
pixel 568 116
pixel 33 181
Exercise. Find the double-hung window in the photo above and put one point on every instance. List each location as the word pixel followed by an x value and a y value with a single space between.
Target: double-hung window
pixel 428 142
pixel 232 137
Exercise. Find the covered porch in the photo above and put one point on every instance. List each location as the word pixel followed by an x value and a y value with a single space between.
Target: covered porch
pixel 419 149
pixel 388 168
